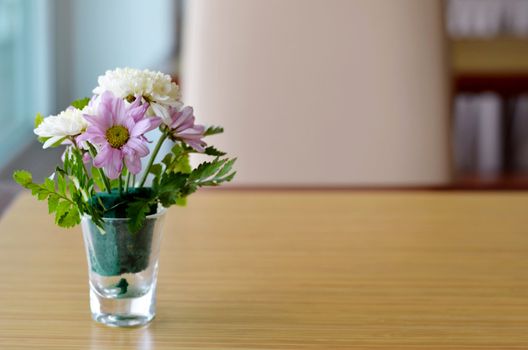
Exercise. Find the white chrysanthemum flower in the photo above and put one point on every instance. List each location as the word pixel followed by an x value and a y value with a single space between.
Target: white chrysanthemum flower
pixel 67 123
pixel 155 87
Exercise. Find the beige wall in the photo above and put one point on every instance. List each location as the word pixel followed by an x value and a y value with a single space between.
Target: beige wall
pixel 322 92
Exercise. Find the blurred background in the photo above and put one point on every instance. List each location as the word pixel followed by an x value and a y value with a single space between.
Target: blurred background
pixel 312 93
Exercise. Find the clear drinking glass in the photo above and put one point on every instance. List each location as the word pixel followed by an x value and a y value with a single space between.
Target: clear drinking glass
pixel 123 269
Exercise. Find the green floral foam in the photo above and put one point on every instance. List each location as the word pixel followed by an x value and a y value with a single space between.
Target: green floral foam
pixel 117 250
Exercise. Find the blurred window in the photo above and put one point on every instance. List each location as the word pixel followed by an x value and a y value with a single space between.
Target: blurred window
pixel 18 62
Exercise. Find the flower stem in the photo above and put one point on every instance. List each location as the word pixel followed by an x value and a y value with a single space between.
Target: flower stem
pixel 101 172
pixel 127 182
pixel 152 158
pixel 105 180
pixel 120 185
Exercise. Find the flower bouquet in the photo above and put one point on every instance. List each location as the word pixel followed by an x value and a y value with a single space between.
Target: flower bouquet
pixel 120 200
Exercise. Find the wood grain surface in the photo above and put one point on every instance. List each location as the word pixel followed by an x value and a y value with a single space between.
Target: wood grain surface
pixel 290 270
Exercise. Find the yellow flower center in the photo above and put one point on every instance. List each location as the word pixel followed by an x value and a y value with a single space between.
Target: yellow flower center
pixel 117 136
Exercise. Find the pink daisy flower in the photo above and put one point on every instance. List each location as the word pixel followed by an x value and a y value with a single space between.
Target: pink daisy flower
pixel 118 131
pixel 183 128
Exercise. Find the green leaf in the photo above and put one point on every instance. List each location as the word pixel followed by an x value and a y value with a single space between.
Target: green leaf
pixel 177 149
pixel 169 198
pixel 206 169
pixel 170 188
pixel 177 160
pixel 168 159
pixel 53 202
pixel 172 182
pixel 211 151
pixel 229 177
pixel 72 190
pixel 181 201
pixel 80 103
pixel 183 165
pixel 22 177
pixel 210 174
pixel 49 184
pixel 70 218
pixel 75 181
pixel 61 183
pixel 213 130
pixel 67 214
pixel 38 120
pixel 217 182
pixel 67 161
pixel 66 210
pixel 42 194
pixel 61 210
pixel 137 212
pixel 226 178
pixel 114 183
pixel 226 168
pixel 98 180
pixel 156 169
pixel 34 188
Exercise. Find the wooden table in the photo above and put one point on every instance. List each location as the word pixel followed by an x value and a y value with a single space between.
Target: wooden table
pixel 286 270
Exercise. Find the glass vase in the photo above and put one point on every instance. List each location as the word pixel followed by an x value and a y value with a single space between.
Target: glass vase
pixel 123 269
